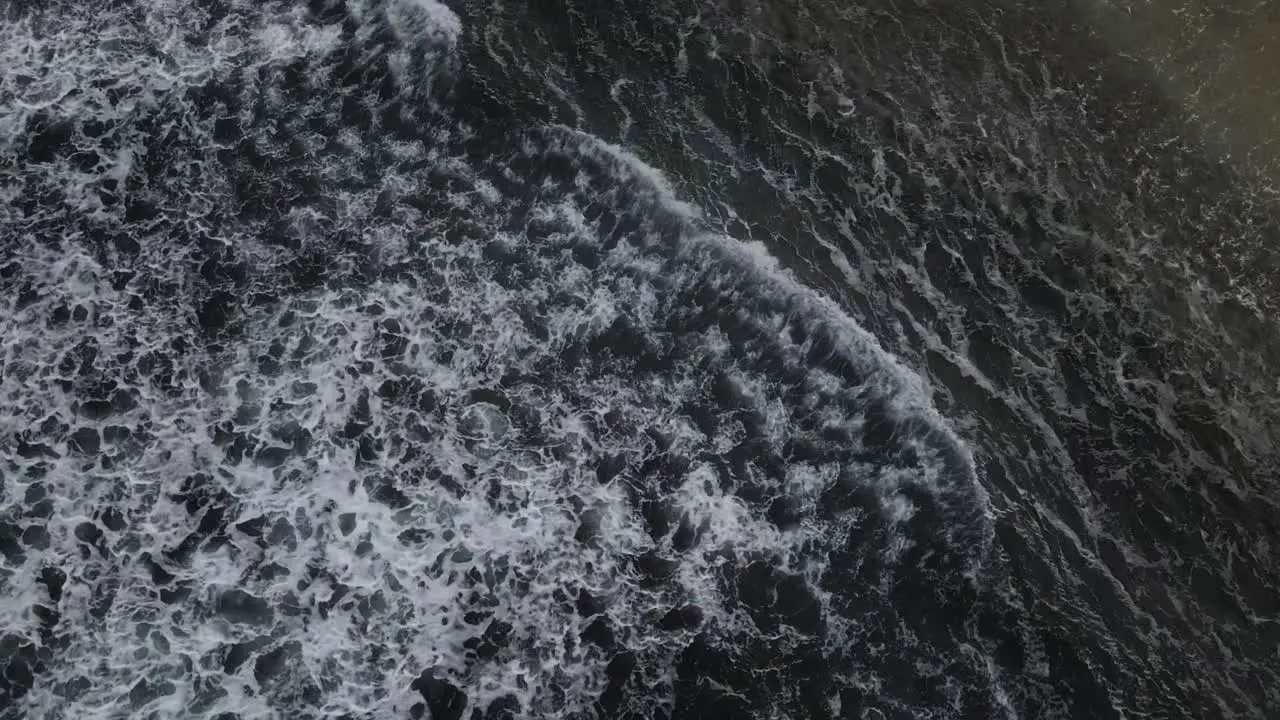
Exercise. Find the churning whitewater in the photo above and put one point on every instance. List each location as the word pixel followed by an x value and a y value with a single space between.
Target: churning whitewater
pixel 322 397
pixel 640 360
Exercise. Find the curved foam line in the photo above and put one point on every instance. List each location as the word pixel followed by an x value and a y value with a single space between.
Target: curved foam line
pixel 911 396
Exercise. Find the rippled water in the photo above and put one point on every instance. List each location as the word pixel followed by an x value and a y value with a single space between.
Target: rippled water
pixel 665 360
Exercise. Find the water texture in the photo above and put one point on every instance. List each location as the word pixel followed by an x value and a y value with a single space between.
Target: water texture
pixel 367 359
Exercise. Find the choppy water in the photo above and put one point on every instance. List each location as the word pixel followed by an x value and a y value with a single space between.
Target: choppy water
pixel 659 360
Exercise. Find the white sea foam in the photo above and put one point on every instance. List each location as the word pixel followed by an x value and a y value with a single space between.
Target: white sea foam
pixel 401 465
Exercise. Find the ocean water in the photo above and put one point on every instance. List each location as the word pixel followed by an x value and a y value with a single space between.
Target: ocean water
pixel 366 359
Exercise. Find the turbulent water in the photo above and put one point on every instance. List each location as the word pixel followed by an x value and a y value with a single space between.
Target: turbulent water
pixel 737 359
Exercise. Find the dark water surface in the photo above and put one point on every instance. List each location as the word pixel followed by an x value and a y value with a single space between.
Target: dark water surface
pixel 721 359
